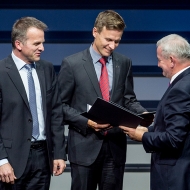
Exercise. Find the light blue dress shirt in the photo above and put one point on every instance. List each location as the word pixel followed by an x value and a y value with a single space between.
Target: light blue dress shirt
pixel 98 66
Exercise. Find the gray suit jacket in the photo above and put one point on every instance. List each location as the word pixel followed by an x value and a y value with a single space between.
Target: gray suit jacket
pixel 16 118
pixel 79 86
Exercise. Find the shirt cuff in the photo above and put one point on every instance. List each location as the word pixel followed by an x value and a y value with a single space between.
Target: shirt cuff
pixel 3 161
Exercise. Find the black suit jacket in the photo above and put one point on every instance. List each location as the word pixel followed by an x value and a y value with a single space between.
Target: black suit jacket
pixel 79 86
pixel 169 138
pixel 16 118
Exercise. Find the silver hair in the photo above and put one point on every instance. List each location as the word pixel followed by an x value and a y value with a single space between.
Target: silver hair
pixel 175 45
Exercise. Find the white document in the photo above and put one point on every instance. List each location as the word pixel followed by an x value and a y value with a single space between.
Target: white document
pixel 88 107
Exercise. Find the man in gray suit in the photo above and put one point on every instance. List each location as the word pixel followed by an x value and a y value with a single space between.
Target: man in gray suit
pixel 31 130
pixel 97 152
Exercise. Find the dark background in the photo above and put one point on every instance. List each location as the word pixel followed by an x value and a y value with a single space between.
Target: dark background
pixel 92 4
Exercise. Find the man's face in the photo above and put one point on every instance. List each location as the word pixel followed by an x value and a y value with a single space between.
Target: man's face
pixel 106 41
pixel 30 50
pixel 165 64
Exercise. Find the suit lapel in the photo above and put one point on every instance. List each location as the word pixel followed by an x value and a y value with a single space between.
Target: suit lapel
pixel 116 73
pixel 168 89
pixel 14 75
pixel 89 68
pixel 41 77
pixel 178 78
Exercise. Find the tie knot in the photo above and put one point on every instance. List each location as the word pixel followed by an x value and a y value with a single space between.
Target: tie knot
pixel 29 66
pixel 103 60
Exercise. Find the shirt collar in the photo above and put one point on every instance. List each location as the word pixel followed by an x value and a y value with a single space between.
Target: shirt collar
pixel 19 62
pixel 178 73
pixel 96 56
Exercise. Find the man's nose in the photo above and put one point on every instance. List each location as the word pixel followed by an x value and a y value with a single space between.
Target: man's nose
pixel 112 45
pixel 41 47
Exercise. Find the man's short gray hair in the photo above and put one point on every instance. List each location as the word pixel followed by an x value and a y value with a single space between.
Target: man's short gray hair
pixel 175 45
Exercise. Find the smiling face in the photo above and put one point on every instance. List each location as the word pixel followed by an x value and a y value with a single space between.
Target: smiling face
pixel 106 41
pixel 166 64
pixel 30 49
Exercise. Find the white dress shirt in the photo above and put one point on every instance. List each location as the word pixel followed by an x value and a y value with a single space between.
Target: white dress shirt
pixel 178 73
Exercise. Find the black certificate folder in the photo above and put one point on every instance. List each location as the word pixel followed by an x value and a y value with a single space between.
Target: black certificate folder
pixel 104 112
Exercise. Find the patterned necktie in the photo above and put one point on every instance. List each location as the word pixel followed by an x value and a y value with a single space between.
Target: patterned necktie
pixel 32 101
pixel 104 80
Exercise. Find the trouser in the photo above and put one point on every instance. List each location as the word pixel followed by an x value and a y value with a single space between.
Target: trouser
pixel 103 172
pixel 37 173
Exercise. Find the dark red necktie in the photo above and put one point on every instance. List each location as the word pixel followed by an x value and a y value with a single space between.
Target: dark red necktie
pixel 104 80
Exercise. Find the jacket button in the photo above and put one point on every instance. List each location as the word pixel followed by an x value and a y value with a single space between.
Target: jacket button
pixel 30 120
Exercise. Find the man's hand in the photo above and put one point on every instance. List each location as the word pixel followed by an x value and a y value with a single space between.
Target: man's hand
pixel 7 174
pixel 98 127
pixel 134 134
pixel 58 167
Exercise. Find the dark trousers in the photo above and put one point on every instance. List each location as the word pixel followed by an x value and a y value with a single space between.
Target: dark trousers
pixel 37 173
pixel 103 172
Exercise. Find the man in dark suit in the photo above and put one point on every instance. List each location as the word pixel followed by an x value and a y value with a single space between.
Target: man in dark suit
pixel 169 139
pixel 97 152
pixel 31 130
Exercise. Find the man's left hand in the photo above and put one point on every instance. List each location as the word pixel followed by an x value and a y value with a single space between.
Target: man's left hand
pixel 58 167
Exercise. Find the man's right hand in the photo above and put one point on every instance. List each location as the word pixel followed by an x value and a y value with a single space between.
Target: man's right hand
pixel 134 134
pixel 98 127
pixel 7 174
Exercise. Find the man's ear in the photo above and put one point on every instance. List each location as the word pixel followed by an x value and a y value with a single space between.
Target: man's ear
pixel 172 61
pixel 18 45
pixel 94 32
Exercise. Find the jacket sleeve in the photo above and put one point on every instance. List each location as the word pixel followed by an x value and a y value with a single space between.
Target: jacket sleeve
pixel 57 125
pixel 172 123
pixel 130 100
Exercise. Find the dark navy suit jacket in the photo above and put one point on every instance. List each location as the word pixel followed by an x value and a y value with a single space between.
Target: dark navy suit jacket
pixel 169 138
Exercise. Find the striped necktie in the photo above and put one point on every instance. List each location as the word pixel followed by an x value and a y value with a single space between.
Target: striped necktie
pixel 32 101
